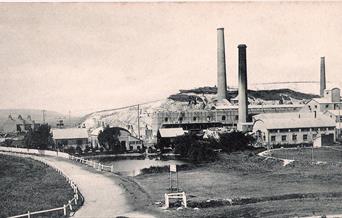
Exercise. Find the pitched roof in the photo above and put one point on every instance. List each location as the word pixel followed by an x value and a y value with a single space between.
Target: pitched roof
pixel 292 120
pixel 70 133
pixel 335 112
pixel 171 132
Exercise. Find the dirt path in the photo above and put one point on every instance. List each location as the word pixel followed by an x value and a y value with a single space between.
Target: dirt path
pixel 103 197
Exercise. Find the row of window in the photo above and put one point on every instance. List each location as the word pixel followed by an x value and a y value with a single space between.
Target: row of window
pixel 301 129
pixel 294 137
pixel 180 119
pixel 134 142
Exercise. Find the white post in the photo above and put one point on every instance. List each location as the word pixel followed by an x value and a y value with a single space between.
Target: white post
pixel 28 214
pixel 64 210
pixel 112 169
pixel 70 207
pixel 75 196
pixel 167 201
pixel 94 164
pixel 102 167
pixel 184 200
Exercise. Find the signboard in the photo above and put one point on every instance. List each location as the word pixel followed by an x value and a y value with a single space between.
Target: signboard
pixel 173 168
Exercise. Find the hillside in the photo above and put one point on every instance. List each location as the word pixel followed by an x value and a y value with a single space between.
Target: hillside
pixel 194 99
pixel 36 115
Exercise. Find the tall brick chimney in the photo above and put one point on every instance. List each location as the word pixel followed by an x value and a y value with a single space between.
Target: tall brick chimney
pixel 243 100
pixel 221 66
pixel 322 79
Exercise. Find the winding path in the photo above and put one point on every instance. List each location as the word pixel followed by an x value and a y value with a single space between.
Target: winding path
pixel 103 197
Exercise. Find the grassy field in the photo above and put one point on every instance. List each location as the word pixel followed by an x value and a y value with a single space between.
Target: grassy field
pixel 261 187
pixel 324 154
pixel 28 185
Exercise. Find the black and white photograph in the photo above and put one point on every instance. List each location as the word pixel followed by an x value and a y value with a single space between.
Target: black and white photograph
pixel 171 109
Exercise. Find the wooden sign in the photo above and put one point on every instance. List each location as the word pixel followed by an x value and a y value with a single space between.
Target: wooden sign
pixel 173 168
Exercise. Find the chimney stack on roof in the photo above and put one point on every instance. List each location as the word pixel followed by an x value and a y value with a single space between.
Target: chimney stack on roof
pixel 221 66
pixel 322 78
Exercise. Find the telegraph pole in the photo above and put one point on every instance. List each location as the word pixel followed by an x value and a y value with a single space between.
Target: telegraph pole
pixel 69 118
pixel 43 116
pixel 138 122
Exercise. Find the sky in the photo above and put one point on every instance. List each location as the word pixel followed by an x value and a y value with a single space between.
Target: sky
pixel 84 57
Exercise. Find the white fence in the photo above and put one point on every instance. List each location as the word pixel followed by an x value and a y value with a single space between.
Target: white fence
pixel 35 151
pixel 92 163
pixel 76 200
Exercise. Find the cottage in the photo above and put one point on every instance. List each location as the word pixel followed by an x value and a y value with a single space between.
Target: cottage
pixel 19 124
pixel 71 137
pixel 131 143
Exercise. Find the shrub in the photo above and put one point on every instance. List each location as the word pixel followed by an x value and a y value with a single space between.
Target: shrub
pixel 234 141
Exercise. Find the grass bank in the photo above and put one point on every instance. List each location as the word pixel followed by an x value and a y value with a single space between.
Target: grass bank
pixel 265 188
pixel 28 185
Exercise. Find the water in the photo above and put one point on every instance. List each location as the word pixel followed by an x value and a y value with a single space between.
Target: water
pixel 133 167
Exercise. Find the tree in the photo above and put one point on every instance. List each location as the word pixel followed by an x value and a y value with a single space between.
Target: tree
pixel 109 138
pixel 39 138
pixel 234 141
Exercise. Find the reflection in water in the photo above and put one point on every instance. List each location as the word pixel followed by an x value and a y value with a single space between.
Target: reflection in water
pixel 133 167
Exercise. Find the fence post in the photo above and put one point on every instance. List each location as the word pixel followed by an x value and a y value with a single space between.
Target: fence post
pixel 64 210
pixel 184 199
pixel 75 196
pixel 112 168
pixel 102 167
pixel 70 207
pixel 28 214
pixel 94 164
pixel 167 201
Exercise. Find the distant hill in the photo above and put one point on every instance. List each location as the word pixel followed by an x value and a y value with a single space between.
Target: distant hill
pixel 36 115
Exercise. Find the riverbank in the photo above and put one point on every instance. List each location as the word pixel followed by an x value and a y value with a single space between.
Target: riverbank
pixel 259 187
pixel 28 185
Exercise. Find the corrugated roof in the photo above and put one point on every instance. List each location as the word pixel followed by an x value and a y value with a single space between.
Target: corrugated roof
pixel 70 133
pixel 171 132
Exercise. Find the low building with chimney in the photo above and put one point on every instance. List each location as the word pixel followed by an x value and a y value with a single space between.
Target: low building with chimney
pixel 285 129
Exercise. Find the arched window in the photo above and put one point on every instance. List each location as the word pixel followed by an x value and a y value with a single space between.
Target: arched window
pixel 223 117
pixel 194 118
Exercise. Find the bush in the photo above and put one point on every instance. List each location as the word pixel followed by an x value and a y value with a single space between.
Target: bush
pixel 234 141
pixel 194 149
pixel 70 150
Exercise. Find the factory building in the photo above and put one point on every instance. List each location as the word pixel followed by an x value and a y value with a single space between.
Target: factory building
pixel 203 119
pixel 276 130
pixel 331 100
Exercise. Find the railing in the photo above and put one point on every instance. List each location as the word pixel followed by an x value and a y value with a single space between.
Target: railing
pixel 94 164
pixel 77 200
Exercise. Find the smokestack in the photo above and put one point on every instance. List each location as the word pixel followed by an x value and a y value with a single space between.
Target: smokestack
pixel 221 66
pixel 243 107
pixel 322 80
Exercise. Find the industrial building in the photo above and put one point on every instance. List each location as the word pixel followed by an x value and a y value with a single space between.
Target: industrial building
pixel 293 128
pixel 224 113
